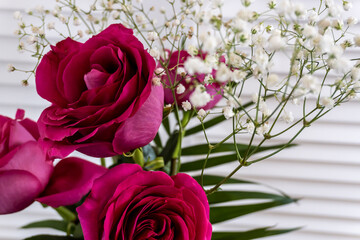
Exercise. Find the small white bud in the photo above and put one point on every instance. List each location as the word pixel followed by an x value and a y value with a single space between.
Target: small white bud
pixel 152 36
pixel 31 39
pixel 180 71
pixel 263 129
pixel 139 19
pixel 272 80
pixel 180 89
pixel 228 112
pixel 288 117
pixel 11 68
pixel 17 15
pixel 159 71
pixel 357 40
pixel 186 105
pixel 176 22
pixel 327 102
pixel 202 113
pixel 192 50
pixel 156 81
pixel 155 53
pixel 115 15
pixel 347 5
pixel 250 127
pixel 80 33
pixel 51 25
pixel 351 21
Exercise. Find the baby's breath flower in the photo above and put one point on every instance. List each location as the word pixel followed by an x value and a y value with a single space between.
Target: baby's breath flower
pixel 357 40
pixel 192 50
pixel 288 117
pixel 80 33
pixel 31 39
pixel 228 112
pixel 194 65
pixel 159 71
pixel 272 80
pixel 17 15
pixel 312 16
pixel 327 102
pixel 199 98
pixel 310 83
pixel 223 74
pixel 186 105
pixel 264 128
pixel 351 21
pixel 11 68
pixel 355 74
pixel 180 89
pixel 152 36
pixel 155 53
pixel 140 19
pixel 250 127
pixel 347 5
pixel 51 25
pixel 156 81
pixel 238 75
pixel 276 42
pixel 202 114
pixel 17 32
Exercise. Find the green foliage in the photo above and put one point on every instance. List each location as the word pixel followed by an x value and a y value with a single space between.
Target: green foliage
pixel 252 234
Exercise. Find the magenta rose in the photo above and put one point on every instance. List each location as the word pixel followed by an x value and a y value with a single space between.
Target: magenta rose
pixel 24 167
pixel 130 203
pixel 103 100
pixel 188 81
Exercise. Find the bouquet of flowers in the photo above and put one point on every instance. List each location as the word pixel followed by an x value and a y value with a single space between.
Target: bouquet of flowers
pixel 131 82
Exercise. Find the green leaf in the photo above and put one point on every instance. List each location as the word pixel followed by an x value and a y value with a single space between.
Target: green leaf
pixel 251 234
pixel 226 147
pixel 212 122
pixel 157 141
pixel 170 146
pixel 51 237
pixel 54 224
pixel 227 196
pixel 66 214
pixel 223 213
pixel 166 124
pixel 207 124
pixel 213 180
pixel 213 161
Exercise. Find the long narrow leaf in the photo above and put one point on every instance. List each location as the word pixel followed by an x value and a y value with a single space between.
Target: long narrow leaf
pixel 227 196
pixel 223 213
pixel 214 161
pixel 226 147
pixel 51 237
pixel 251 234
pixel 213 180
pixel 54 224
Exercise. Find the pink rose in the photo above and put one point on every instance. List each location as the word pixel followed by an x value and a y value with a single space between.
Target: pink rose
pixel 24 167
pixel 176 62
pixel 103 100
pixel 130 203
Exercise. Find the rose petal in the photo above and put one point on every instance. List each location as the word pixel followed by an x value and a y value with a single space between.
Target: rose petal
pixel 18 135
pixel 18 189
pixel 95 78
pixel 46 72
pixel 29 157
pixel 146 121
pixel 72 179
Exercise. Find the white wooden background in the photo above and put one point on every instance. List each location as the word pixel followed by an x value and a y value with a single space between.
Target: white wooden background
pixel 324 171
